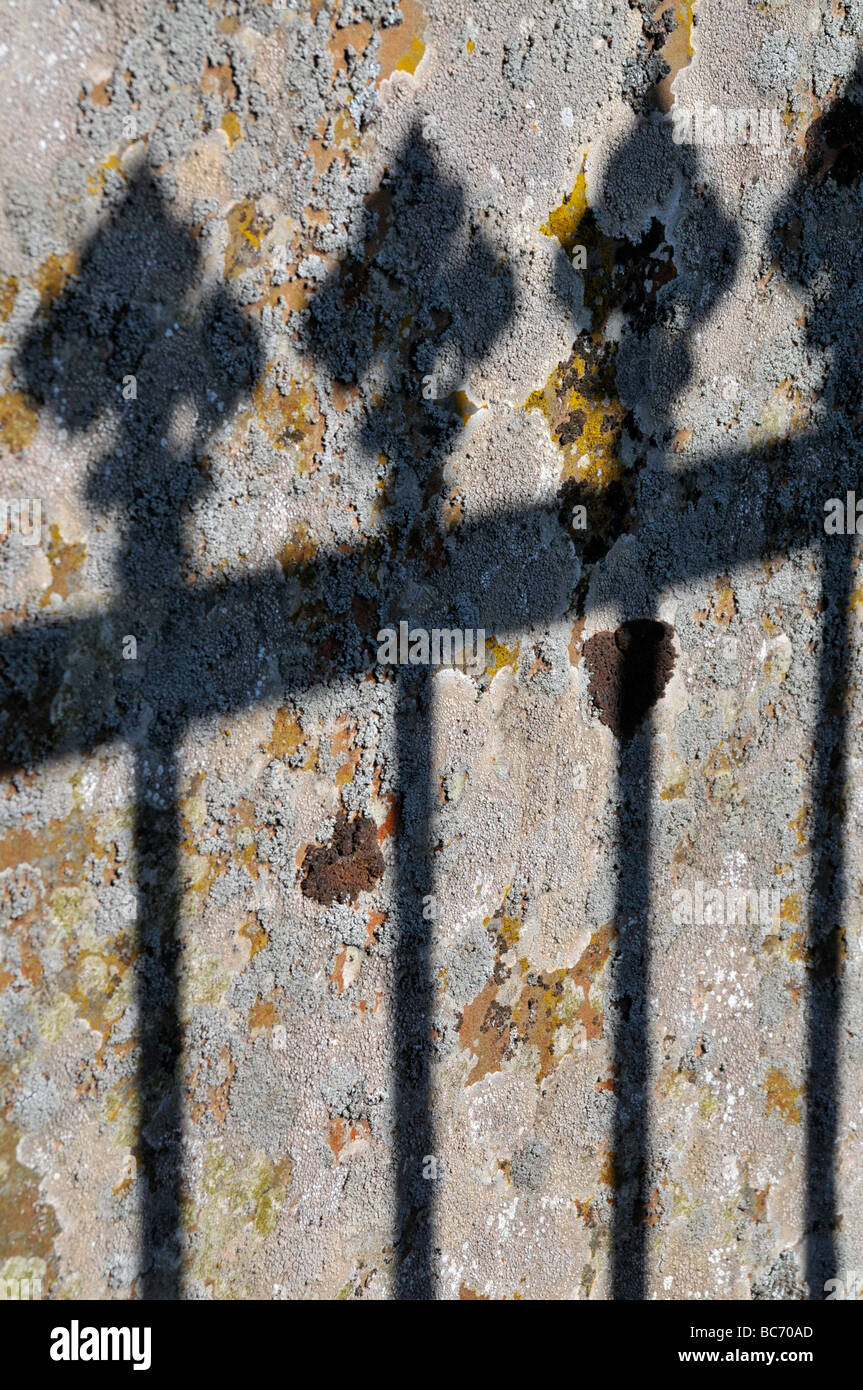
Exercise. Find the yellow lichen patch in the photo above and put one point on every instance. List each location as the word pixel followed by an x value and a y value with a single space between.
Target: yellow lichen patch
pixel 237 1195
pixel 502 656
pixel 342 748
pixel 253 930
pixel 18 421
pixel 800 826
pixel 783 414
pixel 782 1096
pixel 65 559
pixel 789 909
pixel 579 400
pixel 290 417
pixel 8 291
pixel 97 181
pixel 51 277
pixel 230 124
pixel 677 50
pixel 564 221
pixel 411 60
pixel 247 229
pixel 287 734
pixel 675 783
pixel 401 47
pixel 300 551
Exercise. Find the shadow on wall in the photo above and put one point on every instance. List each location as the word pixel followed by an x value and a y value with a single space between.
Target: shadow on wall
pixel 419 298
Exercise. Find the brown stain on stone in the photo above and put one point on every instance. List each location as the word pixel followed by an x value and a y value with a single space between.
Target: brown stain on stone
pixel 349 865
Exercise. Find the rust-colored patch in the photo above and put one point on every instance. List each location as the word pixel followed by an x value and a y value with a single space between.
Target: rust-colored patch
pixel 349 865
pixel 629 670
pixel 341 1133
pixel 782 1096
pixel 467 1295
pixel 216 1093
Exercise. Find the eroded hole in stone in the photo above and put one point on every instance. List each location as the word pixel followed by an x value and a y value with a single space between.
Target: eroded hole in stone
pixel 629 670
pixel 349 865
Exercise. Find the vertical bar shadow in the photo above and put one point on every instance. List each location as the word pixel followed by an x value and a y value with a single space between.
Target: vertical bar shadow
pixel 827 895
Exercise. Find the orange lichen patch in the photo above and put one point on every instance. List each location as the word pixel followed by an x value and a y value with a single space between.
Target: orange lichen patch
pixel 402 48
pixel 264 1012
pixel 100 93
pixel 545 1015
pixel 291 417
pixel 800 826
pixel 375 920
pixel 453 510
pixel 18 421
pixel 342 747
pixel 467 1295
pixel 255 933
pixel 247 229
pixel 230 124
pixel 342 1133
pixel 219 78
pixel 98 976
pixel 390 823
pixel 606 1172
pixel 677 49
pixel 60 850
pixel 8 291
pixel 721 605
pixel 217 1094
pixel 287 734
pixel 782 1096
pixel 357 36
pixel 680 440
pixel 298 552
pixel 51 277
